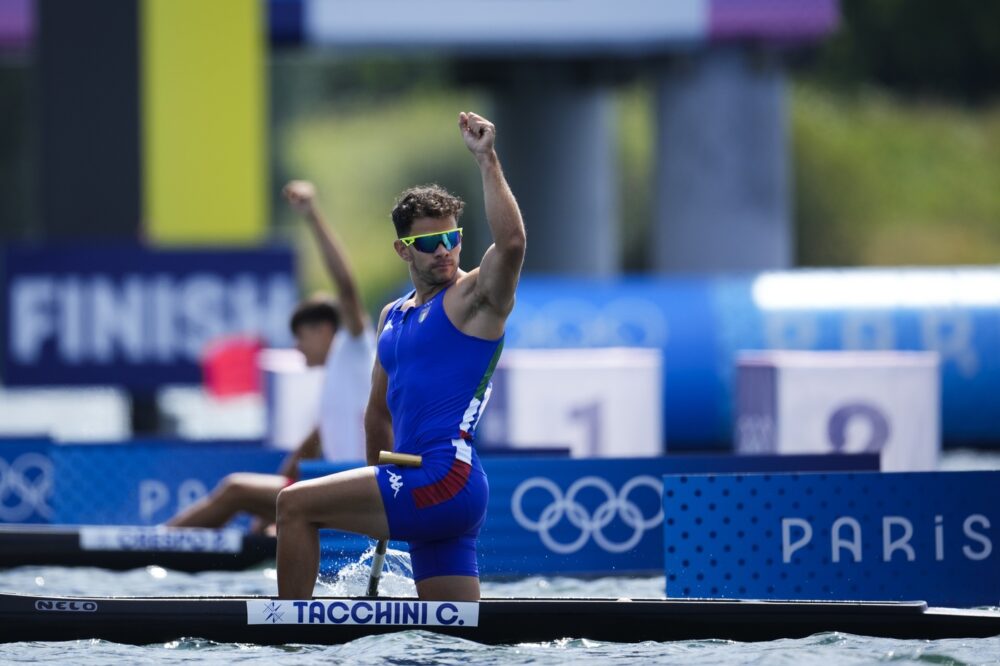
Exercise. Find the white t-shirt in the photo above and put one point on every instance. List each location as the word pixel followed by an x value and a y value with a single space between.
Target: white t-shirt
pixel 346 387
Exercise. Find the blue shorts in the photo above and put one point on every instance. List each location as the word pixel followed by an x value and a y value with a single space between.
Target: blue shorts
pixel 438 508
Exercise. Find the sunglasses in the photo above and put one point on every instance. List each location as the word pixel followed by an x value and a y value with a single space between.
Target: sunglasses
pixel 429 242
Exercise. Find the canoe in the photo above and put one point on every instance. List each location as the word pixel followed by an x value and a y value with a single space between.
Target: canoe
pixel 262 620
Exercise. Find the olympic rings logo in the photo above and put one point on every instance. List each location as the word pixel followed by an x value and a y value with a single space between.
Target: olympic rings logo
pixel 23 493
pixel 565 506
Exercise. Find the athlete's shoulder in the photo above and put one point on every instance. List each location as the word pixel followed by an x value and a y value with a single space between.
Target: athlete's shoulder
pixel 384 315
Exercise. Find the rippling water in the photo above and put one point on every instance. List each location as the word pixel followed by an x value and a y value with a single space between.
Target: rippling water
pixel 419 647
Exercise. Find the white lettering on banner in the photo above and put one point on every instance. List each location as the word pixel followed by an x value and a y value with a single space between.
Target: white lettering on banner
pixel 363 612
pixel 868 330
pixel 615 505
pixel 153 496
pixel 890 545
pixel 893 538
pixel 243 298
pixel 142 318
pixel 625 321
pixel 190 491
pixel 163 313
pixel 165 539
pixel 787 547
pixel 116 319
pixel 25 487
pixel 836 542
pixel 71 314
pixel 983 521
pixel 791 330
pixel 949 333
pixel 202 304
pixel 31 319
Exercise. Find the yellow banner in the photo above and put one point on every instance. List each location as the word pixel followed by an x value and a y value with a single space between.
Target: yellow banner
pixel 204 134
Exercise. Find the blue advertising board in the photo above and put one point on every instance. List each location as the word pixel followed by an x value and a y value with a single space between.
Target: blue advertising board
pixel 145 483
pixel 135 317
pixel 581 516
pixel 868 536
pixel 701 323
pixel 26 480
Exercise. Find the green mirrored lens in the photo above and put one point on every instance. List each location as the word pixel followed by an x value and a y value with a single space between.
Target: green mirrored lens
pixel 428 244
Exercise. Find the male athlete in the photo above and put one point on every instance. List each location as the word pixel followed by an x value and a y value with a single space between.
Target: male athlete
pixel 335 335
pixel 437 349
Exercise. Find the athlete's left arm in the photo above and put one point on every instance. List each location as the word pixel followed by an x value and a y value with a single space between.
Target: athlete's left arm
pixel 378 418
pixel 500 268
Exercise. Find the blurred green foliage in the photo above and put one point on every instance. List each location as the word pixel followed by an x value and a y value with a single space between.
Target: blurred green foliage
pixel 896 136
pixel 363 131
pixel 917 47
pixel 895 125
pixel 881 180
pixel 362 152
pixel 878 179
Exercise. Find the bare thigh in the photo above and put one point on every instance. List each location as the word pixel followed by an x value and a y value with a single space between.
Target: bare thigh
pixel 255 493
pixel 348 501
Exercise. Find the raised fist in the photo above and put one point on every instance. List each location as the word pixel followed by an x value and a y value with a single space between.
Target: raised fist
pixel 301 194
pixel 479 134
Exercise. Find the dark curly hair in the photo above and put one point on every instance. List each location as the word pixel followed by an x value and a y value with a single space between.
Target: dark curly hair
pixel 315 310
pixel 424 201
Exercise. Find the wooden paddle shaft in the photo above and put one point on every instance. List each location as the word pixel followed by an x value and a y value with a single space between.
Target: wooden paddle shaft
pixel 401 459
pixel 378 559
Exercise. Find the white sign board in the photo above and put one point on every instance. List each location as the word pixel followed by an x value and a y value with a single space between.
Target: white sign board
pixel 841 402
pixel 594 402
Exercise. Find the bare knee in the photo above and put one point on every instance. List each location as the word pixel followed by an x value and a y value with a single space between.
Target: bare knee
pixel 231 488
pixel 289 505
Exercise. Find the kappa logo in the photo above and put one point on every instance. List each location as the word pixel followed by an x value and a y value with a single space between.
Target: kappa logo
pixel 396 482
pixel 423 313
pixel 273 613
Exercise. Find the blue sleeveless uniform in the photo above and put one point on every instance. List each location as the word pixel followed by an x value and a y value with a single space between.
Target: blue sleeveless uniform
pixel 439 383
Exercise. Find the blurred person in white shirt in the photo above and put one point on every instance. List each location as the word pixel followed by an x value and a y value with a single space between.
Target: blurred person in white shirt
pixel 335 334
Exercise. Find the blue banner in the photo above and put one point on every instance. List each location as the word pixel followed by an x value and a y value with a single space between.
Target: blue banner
pixel 136 317
pixel 700 323
pixel 145 483
pixel 26 480
pixel 869 536
pixel 581 516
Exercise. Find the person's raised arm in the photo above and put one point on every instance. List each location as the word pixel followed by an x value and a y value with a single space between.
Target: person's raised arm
pixel 302 197
pixel 378 419
pixel 501 265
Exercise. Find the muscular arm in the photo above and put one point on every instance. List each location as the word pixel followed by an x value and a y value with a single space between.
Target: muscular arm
pixel 500 268
pixel 302 196
pixel 378 420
